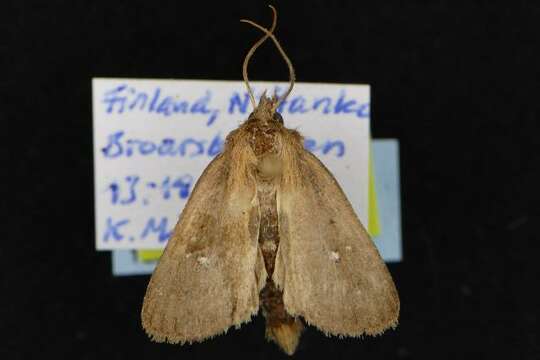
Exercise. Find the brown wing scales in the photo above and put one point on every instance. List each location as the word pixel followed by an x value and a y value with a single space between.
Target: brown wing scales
pixel 210 274
pixel 329 269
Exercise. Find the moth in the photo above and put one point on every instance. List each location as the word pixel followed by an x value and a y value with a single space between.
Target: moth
pixel 268 227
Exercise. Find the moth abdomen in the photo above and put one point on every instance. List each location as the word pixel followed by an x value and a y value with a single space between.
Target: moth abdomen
pixel 281 327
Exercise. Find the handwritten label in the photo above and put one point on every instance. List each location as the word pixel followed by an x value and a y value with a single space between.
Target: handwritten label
pixel 153 139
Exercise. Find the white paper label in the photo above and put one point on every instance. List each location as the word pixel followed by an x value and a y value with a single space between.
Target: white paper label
pixel 153 139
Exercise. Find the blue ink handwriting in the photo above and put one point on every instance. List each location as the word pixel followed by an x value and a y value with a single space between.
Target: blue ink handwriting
pixel 160 229
pixel 113 229
pixel 131 189
pixel 124 98
pixel 118 146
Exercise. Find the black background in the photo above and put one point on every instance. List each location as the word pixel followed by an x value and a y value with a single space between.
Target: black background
pixel 456 84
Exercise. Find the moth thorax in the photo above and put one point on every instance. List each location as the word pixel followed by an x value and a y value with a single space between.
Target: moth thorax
pixel 269 166
pixel 263 138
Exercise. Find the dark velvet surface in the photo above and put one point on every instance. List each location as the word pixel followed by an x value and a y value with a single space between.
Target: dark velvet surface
pixel 456 84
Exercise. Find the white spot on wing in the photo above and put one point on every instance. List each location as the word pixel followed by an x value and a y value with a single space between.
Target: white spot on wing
pixel 348 248
pixel 203 260
pixel 334 256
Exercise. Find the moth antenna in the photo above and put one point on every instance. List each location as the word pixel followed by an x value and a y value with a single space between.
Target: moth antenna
pixel 252 51
pixel 283 54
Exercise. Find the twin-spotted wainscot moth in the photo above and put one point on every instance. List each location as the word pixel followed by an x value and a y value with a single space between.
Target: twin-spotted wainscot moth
pixel 268 227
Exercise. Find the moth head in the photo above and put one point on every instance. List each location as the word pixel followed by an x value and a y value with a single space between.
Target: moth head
pixel 266 111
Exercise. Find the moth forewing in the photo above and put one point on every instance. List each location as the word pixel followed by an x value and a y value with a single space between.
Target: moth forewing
pixel 208 277
pixel 329 269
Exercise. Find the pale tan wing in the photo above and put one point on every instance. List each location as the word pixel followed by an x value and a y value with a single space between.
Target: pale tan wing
pixel 210 274
pixel 328 267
